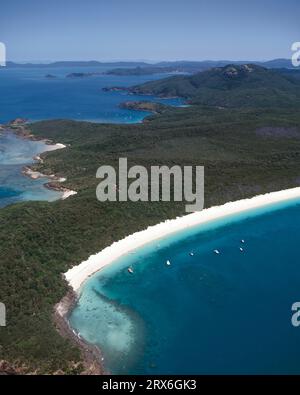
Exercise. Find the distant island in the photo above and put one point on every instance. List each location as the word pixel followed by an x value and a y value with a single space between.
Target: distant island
pixel 184 64
pixel 116 89
pixel 75 63
pixel 81 75
pixel 156 108
pixel 50 76
pixel 153 70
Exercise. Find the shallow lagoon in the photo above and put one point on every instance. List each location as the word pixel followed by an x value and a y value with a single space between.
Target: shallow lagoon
pixel 15 153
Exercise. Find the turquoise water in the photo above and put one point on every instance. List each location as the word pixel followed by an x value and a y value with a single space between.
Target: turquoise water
pixel 206 313
pixel 28 94
pixel 14 187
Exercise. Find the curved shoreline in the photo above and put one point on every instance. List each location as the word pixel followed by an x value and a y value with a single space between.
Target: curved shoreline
pixel 55 180
pixel 53 185
pixel 77 275
pixel 23 133
pixel 91 354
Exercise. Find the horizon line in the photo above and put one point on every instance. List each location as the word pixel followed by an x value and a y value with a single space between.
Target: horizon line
pixel 143 60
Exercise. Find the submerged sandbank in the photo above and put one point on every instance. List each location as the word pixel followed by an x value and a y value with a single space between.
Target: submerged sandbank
pixel 20 131
pixel 77 275
pixel 27 171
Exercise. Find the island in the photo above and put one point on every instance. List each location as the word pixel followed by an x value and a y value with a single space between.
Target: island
pixel 231 86
pixel 82 75
pixel 50 76
pixel 243 127
pixel 156 108
pixel 116 89
pixel 153 70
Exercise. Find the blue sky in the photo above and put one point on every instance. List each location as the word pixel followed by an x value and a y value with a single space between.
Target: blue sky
pixel 149 29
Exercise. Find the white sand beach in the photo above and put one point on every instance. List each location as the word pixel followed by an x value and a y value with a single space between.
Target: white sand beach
pixel 36 174
pixel 77 275
pixel 68 193
pixel 53 147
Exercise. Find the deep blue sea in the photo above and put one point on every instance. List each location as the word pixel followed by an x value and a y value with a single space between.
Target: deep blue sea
pixel 27 93
pixel 206 313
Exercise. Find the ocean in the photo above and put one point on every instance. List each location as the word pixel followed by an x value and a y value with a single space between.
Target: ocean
pixel 15 153
pixel 205 313
pixel 27 93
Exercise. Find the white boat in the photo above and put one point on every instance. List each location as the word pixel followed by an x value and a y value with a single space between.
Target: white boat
pixel 243 241
pixel 130 270
pixel 191 254
pixel 168 262
pixel 217 252
pixel 241 249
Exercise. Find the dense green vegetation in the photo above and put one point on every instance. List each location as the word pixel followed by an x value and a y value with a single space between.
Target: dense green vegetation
pixel 149 106
pixel 245 152
pixel 242 86
pixel 193 67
